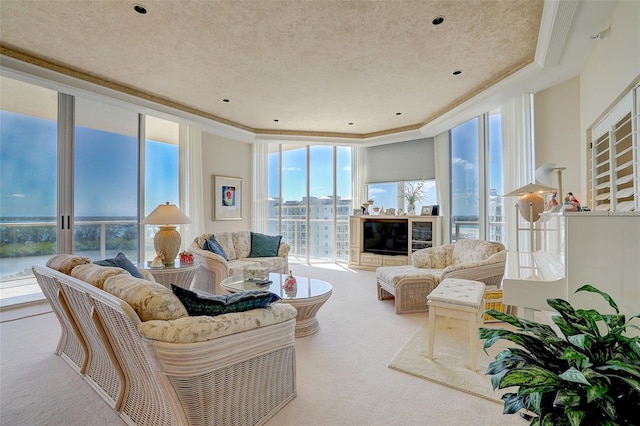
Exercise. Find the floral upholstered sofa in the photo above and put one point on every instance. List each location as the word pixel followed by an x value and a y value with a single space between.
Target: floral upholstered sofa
pixel 224 254
pixel 135 343
pixel 475 260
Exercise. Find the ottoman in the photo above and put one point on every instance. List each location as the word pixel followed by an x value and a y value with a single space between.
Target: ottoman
pixel 408 285
pixel 461 299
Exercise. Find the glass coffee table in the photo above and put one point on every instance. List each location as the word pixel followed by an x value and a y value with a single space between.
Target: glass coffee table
pixel 308 296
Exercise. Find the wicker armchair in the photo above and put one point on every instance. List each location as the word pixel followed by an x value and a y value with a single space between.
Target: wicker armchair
pixel 466 259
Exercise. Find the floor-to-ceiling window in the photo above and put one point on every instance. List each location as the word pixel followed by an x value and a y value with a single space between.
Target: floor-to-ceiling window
pixel 160 172
pixel 476 179
pixel 28 175
pixel 92 149
pixel 310 200
pixel 105 181
pixel 465 181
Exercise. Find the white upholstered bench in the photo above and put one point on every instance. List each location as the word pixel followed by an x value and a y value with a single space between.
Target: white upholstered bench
pixel 460 299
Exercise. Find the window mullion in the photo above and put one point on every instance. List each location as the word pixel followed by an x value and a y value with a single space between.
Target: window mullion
pixel 66 155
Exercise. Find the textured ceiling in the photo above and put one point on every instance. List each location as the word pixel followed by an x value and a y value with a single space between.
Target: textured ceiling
pixel 315 66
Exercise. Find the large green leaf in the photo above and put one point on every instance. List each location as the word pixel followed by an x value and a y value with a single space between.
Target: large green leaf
pixel 596 390
pixel 581 341
pixel 569 314
pixel 617 365
pixel 573 375
pixel 634 384
pixel 575 416
pixel 606 297
pixel 504 317
pixel 529 376
pixel 566 328
pixel 591 316
pixel 614 321
pixel 512 403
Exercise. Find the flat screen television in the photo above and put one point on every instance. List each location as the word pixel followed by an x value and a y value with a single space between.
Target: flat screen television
pixel 385 236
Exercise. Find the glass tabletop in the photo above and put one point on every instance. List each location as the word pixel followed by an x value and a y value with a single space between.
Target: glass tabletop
pixel 305 288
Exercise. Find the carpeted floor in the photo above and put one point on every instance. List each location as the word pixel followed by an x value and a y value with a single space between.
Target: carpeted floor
pixel 451 363
pixel 342 371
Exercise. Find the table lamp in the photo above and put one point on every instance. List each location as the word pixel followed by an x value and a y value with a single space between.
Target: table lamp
pixel 530 204
pixel 167 240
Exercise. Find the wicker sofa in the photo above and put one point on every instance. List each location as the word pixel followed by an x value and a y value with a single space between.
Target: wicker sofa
pixel 475 260
pixel 237 247
pixel 134 343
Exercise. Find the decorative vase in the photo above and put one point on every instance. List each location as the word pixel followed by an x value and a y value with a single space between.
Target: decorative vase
pixel 412 209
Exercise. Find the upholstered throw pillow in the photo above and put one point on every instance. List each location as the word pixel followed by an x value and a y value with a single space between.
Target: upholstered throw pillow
pixel 264 245
pixel 218 304
pixel 121 261
pixel 214 247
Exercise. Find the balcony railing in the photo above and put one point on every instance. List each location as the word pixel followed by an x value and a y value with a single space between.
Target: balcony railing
pixel 16 278
pixel 295 233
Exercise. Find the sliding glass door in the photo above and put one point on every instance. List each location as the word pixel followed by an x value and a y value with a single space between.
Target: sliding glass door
pixel 28 175
pixel 105 181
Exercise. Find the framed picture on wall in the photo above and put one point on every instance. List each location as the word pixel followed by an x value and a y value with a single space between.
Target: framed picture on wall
pixel 227 198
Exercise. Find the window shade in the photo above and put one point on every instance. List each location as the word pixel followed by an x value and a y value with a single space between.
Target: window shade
pixel 411 160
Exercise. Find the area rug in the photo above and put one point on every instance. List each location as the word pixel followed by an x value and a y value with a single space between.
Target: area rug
pixel 452 361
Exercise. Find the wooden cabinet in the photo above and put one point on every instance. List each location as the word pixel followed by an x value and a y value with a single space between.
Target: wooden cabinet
pixel 422 232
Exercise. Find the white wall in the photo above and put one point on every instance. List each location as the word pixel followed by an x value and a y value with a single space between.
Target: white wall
pixel 226 157
pixel 614 64
pixel 557 133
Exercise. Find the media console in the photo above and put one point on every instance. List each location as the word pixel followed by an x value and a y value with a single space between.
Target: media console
pixel 389 240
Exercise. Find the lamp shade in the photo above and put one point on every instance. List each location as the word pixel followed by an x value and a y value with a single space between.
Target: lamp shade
pixel 167 240
pixel 166 214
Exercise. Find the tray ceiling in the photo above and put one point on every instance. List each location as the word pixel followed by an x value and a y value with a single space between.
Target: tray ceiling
pixel 356 68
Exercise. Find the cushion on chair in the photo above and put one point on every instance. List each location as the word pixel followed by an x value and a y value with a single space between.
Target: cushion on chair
pixel 66 262
pixel 225 239
pixel 213 305
pixel 121 261
pixel 264 245
pixel 393 274
pixel 203 328
pixel 150 300
pixel 214 247
pixel 467 251
pixel 242 244
pixel 96 275
pixel 458 292
pixel 438 257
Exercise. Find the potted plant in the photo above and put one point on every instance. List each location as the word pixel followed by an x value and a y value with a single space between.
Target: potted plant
pixel 414 192
pixel 582 377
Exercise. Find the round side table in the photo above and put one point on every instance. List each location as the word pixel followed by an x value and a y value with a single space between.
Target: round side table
pixel 180 274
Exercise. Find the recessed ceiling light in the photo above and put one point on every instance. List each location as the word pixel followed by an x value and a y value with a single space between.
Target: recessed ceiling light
pixel 350 124
pixel 398 113
pixel 140 9
pixel 438 20
pixel 225 100
pixel 457 72
pixel 276 120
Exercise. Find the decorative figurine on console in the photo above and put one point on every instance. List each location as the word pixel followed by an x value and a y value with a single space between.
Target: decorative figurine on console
pixel 186 257
pixel 157 262
pixel 553 202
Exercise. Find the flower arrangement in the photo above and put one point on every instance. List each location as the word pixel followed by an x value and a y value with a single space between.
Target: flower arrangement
pixel 414 191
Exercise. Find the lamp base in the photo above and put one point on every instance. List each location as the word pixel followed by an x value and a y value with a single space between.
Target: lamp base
pixel 167 244
pixel 530 206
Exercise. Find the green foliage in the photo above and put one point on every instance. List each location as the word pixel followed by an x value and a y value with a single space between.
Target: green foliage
pixel 580 378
